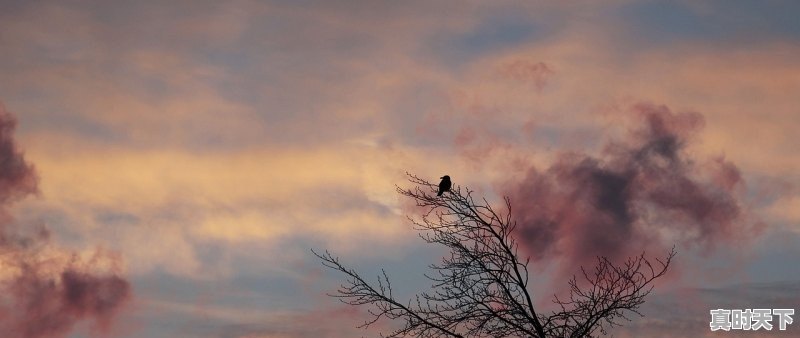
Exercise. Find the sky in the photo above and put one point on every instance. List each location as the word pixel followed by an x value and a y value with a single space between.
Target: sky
pixel 167 167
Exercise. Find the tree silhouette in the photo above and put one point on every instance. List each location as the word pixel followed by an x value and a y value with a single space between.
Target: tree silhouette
pixel 480 289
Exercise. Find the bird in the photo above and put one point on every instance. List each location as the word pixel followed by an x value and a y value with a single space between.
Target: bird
pixel 444 185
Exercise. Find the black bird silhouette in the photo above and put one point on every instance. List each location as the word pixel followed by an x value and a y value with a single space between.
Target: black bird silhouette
pixel 444 185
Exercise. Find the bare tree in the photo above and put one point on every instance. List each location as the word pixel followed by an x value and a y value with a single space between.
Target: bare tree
pixel 481 288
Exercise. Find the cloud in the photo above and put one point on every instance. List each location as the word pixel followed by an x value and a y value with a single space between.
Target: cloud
pixel 527 72
pixel 46 290
pixel 18 178
pixel 213 128
pixel 643 192
pixel 255 202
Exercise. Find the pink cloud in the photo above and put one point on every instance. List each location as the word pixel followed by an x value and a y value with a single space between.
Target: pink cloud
pixel 46 296
pixel 525 71
pixel 643 192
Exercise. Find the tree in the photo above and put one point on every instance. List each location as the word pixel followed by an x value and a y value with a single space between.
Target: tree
pixel 480 289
